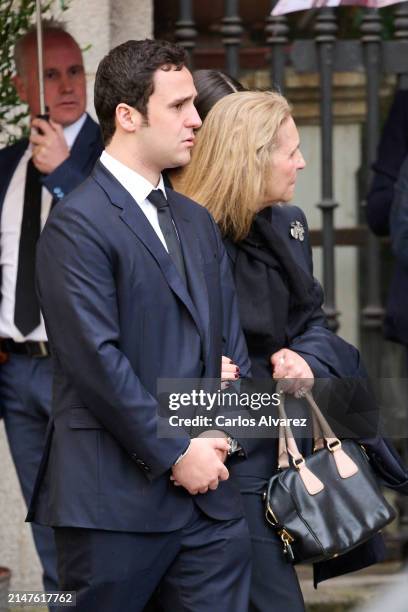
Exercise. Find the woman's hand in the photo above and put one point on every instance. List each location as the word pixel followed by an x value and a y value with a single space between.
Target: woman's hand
pixel 229 371
pixel 288 365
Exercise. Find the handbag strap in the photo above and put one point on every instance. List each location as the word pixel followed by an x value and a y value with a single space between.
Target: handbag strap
pixel 322 433
pixel 318 436
pixel 288 446
pixel 346 467
pixel 287 440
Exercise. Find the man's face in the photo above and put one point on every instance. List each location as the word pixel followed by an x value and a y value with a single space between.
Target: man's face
pixel 168 137
pixel 64 79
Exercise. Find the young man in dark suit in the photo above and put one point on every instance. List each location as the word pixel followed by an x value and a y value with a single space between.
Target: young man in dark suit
pixel 135 286
pixel 35 173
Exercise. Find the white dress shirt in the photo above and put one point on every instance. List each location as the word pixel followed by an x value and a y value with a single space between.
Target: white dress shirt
pixel 10 230
pixel 138 187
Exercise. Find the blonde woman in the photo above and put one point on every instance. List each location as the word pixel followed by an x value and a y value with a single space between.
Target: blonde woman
pixel 243 170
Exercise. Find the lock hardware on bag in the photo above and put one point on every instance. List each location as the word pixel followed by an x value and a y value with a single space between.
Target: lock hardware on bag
pixel 288 552
pixel 285 536
pixel 287 548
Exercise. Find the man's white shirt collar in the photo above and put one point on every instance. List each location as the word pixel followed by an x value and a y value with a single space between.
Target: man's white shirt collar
pixel 72 131
pixel 138 187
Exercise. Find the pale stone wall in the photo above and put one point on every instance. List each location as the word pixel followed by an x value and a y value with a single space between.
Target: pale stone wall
pixel 101 24
pixel 126 23
pixel 345 138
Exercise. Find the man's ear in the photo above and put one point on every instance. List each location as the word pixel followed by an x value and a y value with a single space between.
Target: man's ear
pixel 128 118
pixel 20 87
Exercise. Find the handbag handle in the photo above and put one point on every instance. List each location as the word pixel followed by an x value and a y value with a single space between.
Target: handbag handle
pixel 288 446
pixel 322 432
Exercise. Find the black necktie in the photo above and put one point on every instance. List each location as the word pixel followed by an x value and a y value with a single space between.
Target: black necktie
pixel 27 308
pixel 157 198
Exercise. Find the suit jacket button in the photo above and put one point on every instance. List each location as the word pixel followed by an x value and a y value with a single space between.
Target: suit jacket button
pixel 58 192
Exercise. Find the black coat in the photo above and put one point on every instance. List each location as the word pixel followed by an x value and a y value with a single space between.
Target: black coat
pixel 392 151
pixel 305 331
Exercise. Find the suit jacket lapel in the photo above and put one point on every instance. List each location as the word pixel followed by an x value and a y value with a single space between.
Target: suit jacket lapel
pixel 193 263
pixel 84 144
pixel 137 222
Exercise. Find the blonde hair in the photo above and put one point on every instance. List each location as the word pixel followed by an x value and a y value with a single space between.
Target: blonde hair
pixel 230 161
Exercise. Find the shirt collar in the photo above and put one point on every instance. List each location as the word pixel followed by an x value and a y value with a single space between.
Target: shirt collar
pixel 138 187
pixel 72 131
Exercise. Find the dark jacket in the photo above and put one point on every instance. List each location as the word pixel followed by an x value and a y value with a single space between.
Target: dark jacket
pixel 119 318
pixel 397 313
pixel 304 331
pixel 392 151
pixel 86 150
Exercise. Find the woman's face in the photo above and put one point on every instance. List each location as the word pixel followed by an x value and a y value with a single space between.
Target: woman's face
pixel 286 161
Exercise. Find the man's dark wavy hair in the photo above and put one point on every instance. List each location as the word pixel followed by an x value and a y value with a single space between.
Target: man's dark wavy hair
pixel 126 75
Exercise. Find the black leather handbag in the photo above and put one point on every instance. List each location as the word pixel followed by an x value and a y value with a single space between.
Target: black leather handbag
pixel 325 505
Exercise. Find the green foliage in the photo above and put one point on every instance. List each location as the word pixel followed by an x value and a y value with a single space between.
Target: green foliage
pixel 16 16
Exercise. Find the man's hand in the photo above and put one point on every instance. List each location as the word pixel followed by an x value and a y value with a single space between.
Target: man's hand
pixel 49 145
pixel 287 364
pixel 201 469
pixel 216 433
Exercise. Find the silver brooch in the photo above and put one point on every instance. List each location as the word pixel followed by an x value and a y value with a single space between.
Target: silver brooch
pixel 297 231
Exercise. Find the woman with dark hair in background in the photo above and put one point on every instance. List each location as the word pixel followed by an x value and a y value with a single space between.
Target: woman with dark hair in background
pixel 212 85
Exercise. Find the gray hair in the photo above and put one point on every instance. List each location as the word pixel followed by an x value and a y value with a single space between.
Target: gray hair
pixel 48 26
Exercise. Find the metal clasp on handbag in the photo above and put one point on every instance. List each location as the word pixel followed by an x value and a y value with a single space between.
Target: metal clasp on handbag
pixel 285 536
pixel 287 545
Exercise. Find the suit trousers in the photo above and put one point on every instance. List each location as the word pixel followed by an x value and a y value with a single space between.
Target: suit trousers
pixel 275 586
pixel 204 567
pixel 25 395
